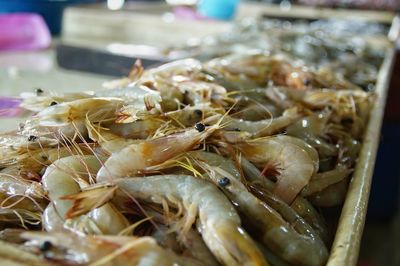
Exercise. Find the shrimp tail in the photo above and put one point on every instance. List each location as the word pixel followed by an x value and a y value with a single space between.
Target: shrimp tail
pixel 235 244
pixel 85 201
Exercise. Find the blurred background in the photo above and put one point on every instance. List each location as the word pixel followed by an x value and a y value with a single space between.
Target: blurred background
pixel 42 43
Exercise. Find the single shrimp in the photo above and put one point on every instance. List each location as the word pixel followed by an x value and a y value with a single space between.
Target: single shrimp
pixel 260 128
pixel 293 164
pixel 218 222
pixel 69 118
pixel 262 188
pixel 94 109
pixel 67 248
pixel 290 239
pixel 136 157
pixel 65 177
pixel 141 129
pixel 33 162
pixel 41 100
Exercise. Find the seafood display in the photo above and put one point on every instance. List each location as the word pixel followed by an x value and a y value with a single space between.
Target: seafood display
pixel 230 161
pixel 353 49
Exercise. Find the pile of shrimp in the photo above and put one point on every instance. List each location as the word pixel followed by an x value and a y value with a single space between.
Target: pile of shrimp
pixel 227 162
pixel 351 48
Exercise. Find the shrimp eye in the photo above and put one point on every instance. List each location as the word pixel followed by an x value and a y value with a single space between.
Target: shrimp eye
pixel 38 91
pixel 45 246
pixel 53 103
pixel 307 82
pixel 223 182
pixel 237 129
pixel 200 127
pixel 198 112
pixel 32 138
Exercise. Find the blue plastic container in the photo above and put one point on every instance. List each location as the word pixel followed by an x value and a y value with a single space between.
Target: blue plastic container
pixel 218 9
pixel 51 10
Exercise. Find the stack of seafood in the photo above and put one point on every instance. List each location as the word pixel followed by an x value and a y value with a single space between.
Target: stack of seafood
pixel 224 162
pixel 352 49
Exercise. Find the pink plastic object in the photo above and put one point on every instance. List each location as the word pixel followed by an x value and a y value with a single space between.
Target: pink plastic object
pixel 9 107
pixel 23 31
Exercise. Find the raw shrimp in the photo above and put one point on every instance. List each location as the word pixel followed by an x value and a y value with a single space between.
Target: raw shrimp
pixel 33 162
pixel 38 101
pixel 218 221
pixel 262 188
pixel 293 164
pixel 69 248
pixel 140 129
pixel 65 177
pixel 191 244
pixel 260 128
pixel 262 68
pixel 323 180
pixel 291 241
pixel 107 140
pixel 190 115
pixel 21 201
pixel 69 119
pixel 312 129
pixel 332 196
pixel 200 92
pixel 51 220
pixel 94 109
pixel 13 147
pixel 175 70
pixel 136 157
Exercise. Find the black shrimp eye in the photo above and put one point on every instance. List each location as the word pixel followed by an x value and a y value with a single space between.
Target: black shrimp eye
pixel 223 182
pixel 53 103
pixel 198 112
pixel 38 91
pixel 32 138
pixel 46 245
pixel 200 127
pixel 307 82
pixel 237 129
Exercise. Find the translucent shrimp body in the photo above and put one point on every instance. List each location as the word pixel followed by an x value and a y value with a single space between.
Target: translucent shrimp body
pixel 290 242
pixel 65 177
pixel 136 157
pixel 95 109
pixel 105 250
pixel 260 128
pixel 218 223
pixel 293 164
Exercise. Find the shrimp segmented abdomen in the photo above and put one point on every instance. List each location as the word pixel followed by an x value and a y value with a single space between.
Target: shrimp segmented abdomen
pixel 293 164
pixel 219 224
